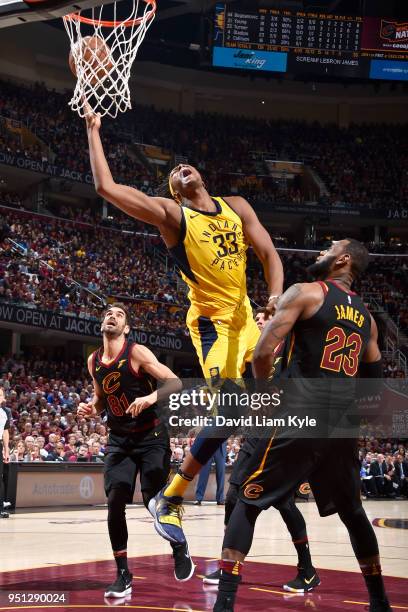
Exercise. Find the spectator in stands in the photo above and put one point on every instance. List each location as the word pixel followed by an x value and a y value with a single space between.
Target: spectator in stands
pixel 29 444
pixel 41 442
pixel 96 455
pixel 390 484
pixel 35 453
pixel 18 453
pixel 401 474
pixel 177 455
pixel 57 453
pixel 52 440
pixel 71 445
pixel 83 454
pixel 378 470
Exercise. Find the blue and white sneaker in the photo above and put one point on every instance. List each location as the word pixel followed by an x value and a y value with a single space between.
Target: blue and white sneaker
pixel 167 513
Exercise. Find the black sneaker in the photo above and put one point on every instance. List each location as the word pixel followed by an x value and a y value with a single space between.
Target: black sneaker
pixel 227 592
pixel 380 606
pixel 122 585
pixel 183 563
pixel 213 578
pixel 306 580
pixel 4 514
pixel 224 604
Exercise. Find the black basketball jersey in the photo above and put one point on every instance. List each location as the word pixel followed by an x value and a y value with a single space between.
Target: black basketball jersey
pixel 332 342
pixel 121 385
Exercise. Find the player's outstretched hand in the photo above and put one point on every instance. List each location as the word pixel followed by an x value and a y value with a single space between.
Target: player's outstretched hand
pixel 140 404
pixel 93 121
pixel 2 396
pixel 85 410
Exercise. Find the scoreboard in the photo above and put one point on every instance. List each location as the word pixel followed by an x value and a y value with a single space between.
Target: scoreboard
pixel 310 43
pixel 271 29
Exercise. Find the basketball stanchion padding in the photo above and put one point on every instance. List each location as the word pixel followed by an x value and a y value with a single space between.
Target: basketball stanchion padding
pixel 102 54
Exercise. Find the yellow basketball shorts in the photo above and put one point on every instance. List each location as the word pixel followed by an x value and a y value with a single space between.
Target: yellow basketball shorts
pixel 224 342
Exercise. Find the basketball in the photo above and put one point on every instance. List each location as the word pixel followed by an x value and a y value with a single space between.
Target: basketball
pixel 95 57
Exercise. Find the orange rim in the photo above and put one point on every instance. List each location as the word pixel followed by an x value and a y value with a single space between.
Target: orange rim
pixel 128 23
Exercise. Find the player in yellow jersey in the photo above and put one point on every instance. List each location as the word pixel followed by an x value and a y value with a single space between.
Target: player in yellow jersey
pixel 211 255
pixel 209 237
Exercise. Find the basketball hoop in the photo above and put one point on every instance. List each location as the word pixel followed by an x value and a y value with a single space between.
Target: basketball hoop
pixel 102 61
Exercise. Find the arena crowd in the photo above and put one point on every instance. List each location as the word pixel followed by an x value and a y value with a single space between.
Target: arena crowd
pixel 71 267
pixel 362 164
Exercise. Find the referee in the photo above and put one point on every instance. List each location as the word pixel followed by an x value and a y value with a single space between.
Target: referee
pixel 5 418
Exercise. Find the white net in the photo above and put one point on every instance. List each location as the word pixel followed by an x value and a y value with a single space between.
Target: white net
pixel 102 54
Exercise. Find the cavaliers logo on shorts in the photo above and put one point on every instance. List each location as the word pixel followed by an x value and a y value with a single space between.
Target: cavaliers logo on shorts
pixel 253 491
pixel 304 489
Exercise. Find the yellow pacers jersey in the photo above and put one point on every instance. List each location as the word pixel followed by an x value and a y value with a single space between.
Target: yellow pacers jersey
pixel 211 255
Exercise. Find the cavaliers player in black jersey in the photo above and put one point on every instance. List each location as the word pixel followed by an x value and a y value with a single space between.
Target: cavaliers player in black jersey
pixel 307 578
pixel 334 337
pixel 124 376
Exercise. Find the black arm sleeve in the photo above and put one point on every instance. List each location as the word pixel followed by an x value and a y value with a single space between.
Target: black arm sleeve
pixel 371 370
pixel 370 378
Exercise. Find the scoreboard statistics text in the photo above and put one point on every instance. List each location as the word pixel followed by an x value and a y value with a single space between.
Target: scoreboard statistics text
pixel 310 43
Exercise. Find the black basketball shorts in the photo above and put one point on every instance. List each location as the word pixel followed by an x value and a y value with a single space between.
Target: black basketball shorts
pixel 146 453
pixel 243 461
pixel 279 465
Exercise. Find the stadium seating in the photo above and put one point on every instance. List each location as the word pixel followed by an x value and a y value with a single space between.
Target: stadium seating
pixel 224 148
pixel 61 266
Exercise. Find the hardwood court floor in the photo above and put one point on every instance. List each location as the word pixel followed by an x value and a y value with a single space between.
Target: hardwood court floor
pixel 69 550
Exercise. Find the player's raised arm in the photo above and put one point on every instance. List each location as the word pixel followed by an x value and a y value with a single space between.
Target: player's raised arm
pixel 289 309
pixel 161 212
pixel 263 246
pixel 143 358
